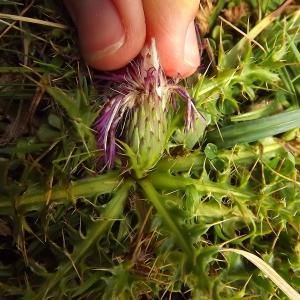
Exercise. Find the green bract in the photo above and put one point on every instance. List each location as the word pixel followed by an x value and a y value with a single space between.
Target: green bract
pixel 140 113
pixel 147 131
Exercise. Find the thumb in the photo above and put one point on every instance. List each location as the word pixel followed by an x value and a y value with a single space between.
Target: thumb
pixel 111 32
pixel 171 23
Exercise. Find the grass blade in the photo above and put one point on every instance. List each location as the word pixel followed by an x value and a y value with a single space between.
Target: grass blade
pixel 251 131
pixel 32 20
pixel 268 271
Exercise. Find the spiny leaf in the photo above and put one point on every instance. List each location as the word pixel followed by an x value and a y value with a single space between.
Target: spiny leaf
pixel 175 229
pixel 232 58
pixel 111 212
pixel 35 200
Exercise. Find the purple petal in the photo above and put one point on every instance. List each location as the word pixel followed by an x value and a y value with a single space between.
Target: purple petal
pixel 112 76
pixel 106 127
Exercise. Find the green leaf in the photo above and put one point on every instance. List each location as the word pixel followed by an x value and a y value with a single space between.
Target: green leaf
pixel 66 101
pixel 37 198
pixel 211 151
pixel 55 121
pixel 111 212
pixel 233 57
pixel 47 134
pixel 119 284
pixel 190 138
pixel 175 229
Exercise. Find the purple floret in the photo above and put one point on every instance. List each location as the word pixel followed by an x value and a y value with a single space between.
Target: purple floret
pixel 106 127
pixel 143 76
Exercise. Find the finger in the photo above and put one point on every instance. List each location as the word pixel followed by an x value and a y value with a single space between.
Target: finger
pixel 111 32
pixel 171 23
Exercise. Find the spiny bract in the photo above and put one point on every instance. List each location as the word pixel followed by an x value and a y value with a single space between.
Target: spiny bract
pixel 139 113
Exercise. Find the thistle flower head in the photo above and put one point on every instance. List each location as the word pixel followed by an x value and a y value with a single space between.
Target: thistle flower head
pixel 138 112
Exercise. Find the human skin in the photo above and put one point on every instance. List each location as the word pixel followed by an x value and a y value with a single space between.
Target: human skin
pixel 113 32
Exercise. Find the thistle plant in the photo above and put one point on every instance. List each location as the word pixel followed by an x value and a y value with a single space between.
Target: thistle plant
pixel 196 217
pixel 141 113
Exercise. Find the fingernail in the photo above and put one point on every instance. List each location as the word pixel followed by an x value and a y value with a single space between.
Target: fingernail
pixel 100 28
pixel 191 51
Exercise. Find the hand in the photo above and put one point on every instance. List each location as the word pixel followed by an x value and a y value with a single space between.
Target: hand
pixel 113 32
